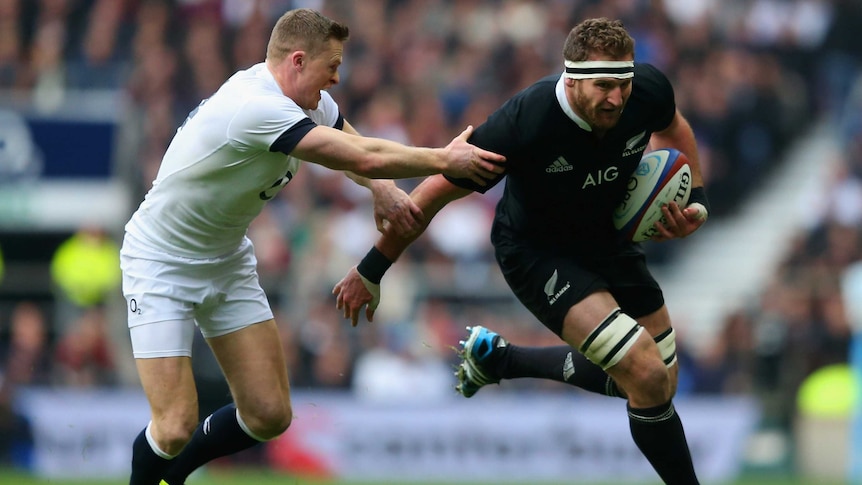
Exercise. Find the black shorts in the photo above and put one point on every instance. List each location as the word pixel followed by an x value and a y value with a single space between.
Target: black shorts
pixel 549 281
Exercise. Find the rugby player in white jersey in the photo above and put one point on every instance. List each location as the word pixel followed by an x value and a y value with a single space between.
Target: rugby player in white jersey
pixel 572 141
pixel 186 259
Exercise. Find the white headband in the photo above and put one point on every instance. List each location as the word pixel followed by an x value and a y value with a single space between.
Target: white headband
pixel 599 69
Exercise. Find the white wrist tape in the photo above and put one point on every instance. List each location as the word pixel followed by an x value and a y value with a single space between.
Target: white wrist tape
pixel 702 213
pixel 372 288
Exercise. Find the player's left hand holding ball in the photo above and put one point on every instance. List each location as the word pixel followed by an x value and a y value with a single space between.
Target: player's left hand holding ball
pixel 680 222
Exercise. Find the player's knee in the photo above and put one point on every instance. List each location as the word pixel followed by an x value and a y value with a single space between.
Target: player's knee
pixel 174 432
pixel 650 383
pixel 269 419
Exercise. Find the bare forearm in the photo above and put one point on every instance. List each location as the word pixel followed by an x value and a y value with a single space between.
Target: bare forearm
pixel 379 158
pixel 385 159
pixel 369 157
pixel 373 185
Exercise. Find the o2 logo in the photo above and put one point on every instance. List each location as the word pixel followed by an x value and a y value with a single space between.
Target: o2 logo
pixel 275 187
pixel 134 308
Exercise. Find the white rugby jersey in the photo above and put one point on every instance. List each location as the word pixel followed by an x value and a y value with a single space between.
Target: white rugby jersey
pixel 218 171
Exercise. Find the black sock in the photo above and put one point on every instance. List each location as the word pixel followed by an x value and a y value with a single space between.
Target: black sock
pixel 658 433
pixel 561 363
pixel 147 467
pixel 218 435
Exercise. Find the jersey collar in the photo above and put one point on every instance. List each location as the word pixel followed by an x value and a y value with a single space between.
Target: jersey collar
pixel 564 104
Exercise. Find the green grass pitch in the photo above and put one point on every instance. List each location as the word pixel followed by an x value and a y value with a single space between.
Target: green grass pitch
pixel 258 477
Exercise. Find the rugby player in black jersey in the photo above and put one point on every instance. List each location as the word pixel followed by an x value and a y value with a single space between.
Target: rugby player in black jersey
pixel 571 142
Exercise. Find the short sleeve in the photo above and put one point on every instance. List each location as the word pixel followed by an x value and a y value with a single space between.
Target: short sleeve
pixel 261 120
pixel 327 113
pixel 660 94
pixel 497 134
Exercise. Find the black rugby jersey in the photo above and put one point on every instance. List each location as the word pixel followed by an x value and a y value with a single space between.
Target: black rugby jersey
pixel 564 183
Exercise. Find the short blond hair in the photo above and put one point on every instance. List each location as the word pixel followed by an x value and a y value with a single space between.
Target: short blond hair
pixel 303 29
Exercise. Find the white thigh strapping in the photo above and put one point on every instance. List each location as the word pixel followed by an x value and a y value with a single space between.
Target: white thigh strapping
pixel 666 342
pixel 608 343
pixel 168 338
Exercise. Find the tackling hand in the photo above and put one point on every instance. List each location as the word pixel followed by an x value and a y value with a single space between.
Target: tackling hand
pixel 395 209
pixel 472 162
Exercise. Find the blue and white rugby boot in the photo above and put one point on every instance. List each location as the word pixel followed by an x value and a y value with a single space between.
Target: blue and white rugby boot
pixel 474 370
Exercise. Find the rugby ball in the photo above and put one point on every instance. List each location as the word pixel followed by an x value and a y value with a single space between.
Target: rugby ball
pixel 662 176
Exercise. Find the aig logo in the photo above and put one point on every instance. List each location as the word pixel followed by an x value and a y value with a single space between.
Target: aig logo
pixel 601 176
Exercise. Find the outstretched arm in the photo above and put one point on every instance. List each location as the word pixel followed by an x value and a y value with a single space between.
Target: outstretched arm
pixel 360 287
pixel 682 221
pixel 379 158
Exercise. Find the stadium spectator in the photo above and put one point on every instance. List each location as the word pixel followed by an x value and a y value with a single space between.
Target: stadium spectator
pixel 324 345
pixel 11 45
pixel 83 356
pixel 397 369
pixel 85 267
pixel 100 63
pixel 24 362
pixel 85 274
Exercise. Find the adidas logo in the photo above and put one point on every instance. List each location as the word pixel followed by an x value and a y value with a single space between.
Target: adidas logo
pixel 560 165
pixel 568 367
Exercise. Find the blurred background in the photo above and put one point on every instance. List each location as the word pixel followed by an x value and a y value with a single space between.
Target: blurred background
pixel 91 92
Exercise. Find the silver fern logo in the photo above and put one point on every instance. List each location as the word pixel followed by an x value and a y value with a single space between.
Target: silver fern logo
pixel 550 288
pixel 632 144
pixel 633 141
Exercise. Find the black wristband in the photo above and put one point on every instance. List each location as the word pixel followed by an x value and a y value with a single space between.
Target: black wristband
pixel 374 265
pixel 698 194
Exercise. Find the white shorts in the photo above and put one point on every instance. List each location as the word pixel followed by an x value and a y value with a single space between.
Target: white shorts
pixel 166 296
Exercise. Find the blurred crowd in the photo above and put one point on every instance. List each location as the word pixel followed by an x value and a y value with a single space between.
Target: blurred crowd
pixel 750 75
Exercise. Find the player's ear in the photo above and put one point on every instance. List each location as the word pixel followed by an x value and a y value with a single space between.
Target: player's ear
pixel 569 82
pixel 297 59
